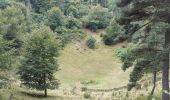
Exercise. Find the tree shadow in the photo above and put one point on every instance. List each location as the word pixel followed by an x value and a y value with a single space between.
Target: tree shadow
pixel 36 95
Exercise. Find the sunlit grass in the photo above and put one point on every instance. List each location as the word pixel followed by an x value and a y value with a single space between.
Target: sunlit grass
pixel 78 63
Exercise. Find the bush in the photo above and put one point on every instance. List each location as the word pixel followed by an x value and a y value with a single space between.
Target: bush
pixel 40 6
pixel 87 96
pixel 56 18
pixel 82 10
pixel 109 39
pixel 98 18
pixel 83 89
pixel 72 10
pixel 73 23
pixel 120 52
pixel 115 33
pixel 91 43
pixel 65 34
pixel 92 25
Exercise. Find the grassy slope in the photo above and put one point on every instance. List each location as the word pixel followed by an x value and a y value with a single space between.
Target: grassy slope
pixel 78 64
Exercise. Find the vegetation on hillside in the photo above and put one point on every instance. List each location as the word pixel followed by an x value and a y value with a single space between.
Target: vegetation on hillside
pixel 76 49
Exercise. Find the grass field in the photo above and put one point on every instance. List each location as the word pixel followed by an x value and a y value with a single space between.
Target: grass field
pixel 80 64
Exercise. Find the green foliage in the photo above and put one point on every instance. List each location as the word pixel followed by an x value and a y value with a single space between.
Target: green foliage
pixel 88 82
pixel 13 25
pixel 66 35
pixel 6 56
pixel 72 10
pixel 78 10
pixel 82 10
pixel 91 42
pixel 87 96
pixel 3 4
pixel 120 52
pixel 146 54
pixel 38 18
pixel 12 29
pixel 114 33
pixel 92 25
pixel 41 6
pixel 56 18
pixel 39 63
pixel 73 23
pixel 98 18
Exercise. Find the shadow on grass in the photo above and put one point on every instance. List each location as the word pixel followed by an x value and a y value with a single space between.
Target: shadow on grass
pixel 37 95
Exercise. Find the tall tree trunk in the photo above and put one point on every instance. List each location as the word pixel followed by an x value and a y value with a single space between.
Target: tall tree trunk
pixel 45 92
pixel 165 72
pixel 45 86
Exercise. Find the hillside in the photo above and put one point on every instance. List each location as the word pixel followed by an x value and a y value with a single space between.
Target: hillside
pixel 84 49
pixel 83 64
pixel 81 67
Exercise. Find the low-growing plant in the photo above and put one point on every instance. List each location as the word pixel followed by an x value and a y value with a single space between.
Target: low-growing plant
pixel 83 89
pixel 89 82
pixel 120 52
pixel 91 42
pixel 87 96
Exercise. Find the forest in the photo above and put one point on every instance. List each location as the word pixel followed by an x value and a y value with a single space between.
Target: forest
pixel 84 49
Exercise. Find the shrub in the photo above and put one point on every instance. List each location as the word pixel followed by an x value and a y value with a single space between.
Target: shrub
pixel 109 39
pixel 120 52
pixel 89 82
pixel 56 18
pixel 65 34
pixel 87 96
pixel 72 10
pixel 91 42
pixel 115 33
pixel 83 89
pixel 40 6
pixel 98 18
pixel 73 23
pixel 92 25
pixel 82 10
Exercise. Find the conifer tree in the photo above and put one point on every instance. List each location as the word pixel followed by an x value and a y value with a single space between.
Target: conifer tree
pixel 151 12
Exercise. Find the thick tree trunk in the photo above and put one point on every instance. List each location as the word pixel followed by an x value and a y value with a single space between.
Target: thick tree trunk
pixel 165 72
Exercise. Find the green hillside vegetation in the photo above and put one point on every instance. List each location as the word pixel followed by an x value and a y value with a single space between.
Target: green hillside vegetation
pixel 84 49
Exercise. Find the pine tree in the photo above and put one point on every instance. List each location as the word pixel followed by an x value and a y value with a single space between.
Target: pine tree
pixel 151 12
pixel 39 64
